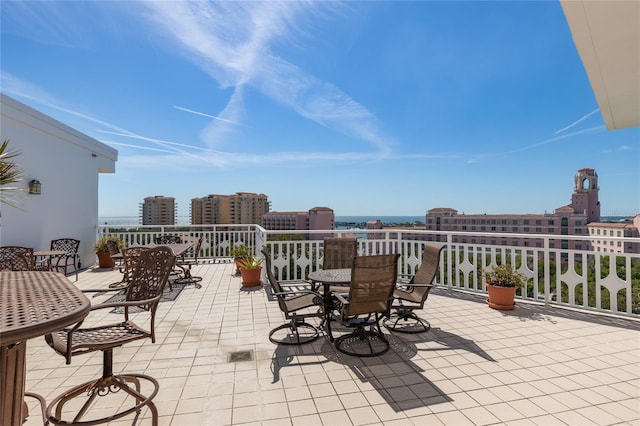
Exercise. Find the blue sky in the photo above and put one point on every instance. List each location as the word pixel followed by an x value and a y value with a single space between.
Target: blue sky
pixel 369 108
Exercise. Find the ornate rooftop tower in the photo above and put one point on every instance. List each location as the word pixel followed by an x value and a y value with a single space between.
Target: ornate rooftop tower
pixel 585 194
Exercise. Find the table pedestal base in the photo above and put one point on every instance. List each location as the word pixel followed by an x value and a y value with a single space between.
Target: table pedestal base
pixel 12 382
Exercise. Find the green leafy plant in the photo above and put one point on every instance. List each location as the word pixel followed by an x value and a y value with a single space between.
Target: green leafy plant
pixel 249 262
pixel 101 244
pixel 504 276
pixel 10 174
pixel 240 251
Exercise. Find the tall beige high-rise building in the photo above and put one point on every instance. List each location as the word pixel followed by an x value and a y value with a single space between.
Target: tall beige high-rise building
pixel 238 208
pixel 158 210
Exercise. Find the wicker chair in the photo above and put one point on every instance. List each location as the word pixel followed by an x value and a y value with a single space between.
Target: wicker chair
pixel 296 305
pixel 186 264
pixel 412 295
pixel 369 298
pixel 16 258
pixel 71 258
pixel 145 290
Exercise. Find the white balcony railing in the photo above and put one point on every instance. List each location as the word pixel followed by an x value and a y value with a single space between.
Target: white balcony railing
pixel 580 279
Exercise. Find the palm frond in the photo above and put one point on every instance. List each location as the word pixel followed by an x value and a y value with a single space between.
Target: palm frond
pixel 10 173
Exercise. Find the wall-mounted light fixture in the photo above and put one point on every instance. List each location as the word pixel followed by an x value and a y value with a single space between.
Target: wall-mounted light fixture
pixel 34 187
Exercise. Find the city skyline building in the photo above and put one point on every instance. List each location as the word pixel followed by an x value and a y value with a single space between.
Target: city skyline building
pixel 238 208
pixel 317 218
pixel 571 219
pixel 158 210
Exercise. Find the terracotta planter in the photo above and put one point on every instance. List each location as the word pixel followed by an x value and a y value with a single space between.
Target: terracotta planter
pixel 502 298
pixel 251 277
pixel 105 260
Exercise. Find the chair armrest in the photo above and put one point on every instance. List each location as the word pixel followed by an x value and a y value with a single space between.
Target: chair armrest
pixel 124 303
pixel 294 293
pixel 342 297
pixel 418 285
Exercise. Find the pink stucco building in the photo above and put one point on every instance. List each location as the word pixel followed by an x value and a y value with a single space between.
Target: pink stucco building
pixel 318 218
pixel 571 219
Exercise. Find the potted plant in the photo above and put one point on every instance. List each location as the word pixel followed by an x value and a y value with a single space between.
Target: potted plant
pixel 502 282
pixel 251 271
pixel 102 251
pixel 238 252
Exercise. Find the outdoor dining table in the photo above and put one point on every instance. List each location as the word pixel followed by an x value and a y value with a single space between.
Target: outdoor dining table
pixel 329 277
pixel 33 304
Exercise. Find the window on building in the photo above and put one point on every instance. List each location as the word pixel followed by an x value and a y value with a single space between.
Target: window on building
pixel 578 223
pixel 539 230
pixel 493 229
pixel 526 229
pixel 550 222
pixel 514 229
pixel 538 221
pixel 526 221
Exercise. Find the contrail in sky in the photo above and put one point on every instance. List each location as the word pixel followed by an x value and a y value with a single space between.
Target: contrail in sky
pixel 577 121
pixel 207 115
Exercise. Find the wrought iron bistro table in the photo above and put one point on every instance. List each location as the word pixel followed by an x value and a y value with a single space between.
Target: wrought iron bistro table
pixel 33 303
pixel 330 277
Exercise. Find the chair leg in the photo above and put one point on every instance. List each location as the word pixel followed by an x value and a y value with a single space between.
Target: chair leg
pixel 363 343
pixel 105 385
pixel 406 321
pixel 298 333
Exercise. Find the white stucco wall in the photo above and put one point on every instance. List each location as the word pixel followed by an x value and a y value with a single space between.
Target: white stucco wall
pixel 67 163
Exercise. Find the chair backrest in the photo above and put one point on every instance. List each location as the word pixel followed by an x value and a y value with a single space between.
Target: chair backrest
pixel 112 247
pixel 373 279
pixel 130 258
pixel 427 270
pixel 339 252
pixel 275 285
pixel 168 239
pixel 196 248
pixel 68 245
pixel 150 276
pixel 16 258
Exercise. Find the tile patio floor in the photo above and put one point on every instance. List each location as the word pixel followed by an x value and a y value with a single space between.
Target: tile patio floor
pixel 477 366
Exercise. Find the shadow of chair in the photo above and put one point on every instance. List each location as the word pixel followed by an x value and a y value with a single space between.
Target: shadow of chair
pixel 368 300
pixel 71 257
pixel 410 296
pixel 150 276
pixel 16 258
pixel 186 264
pixel 296 305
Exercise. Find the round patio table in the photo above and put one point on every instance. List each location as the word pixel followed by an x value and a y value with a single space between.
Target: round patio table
pixel 330 277
pixel 33 304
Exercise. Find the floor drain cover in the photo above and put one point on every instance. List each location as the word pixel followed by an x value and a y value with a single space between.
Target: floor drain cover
pixel 241 356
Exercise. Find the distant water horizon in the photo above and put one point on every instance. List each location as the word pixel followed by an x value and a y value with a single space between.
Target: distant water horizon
pixel 185 220
pixel 387 220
